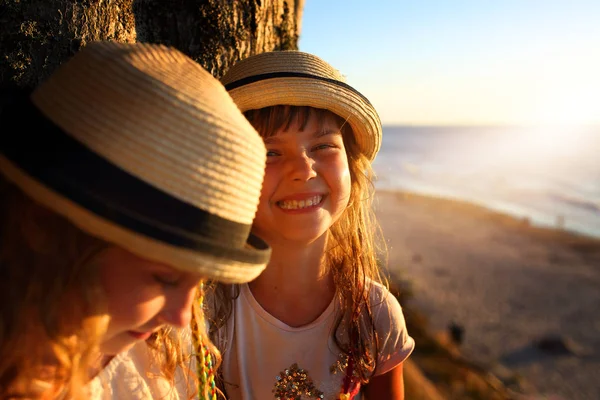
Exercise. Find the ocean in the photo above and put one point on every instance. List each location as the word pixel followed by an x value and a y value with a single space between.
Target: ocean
pixel 549 175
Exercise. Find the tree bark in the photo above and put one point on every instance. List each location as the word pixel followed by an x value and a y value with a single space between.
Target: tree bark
pixel 38 35
pixel 217 33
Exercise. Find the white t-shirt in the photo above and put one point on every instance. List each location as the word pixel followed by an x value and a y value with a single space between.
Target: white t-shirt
pixel 261 353
pixel 132 375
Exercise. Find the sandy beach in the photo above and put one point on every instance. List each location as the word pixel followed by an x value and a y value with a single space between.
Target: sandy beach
pixel 508 284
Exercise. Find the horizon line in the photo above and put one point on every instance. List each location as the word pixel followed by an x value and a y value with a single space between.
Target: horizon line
pixel 490 125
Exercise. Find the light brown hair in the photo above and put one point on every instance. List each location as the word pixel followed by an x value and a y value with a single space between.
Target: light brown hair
pixel 52 310
pixel 52 307
pixel 352 251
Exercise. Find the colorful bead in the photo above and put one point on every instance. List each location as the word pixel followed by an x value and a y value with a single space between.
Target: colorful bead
pixel 207 387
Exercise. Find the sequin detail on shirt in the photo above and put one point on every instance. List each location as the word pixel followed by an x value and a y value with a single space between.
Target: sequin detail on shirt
pixel 293 383
pixel 340 365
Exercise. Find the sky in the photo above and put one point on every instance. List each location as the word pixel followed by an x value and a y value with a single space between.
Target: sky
pixel 459 62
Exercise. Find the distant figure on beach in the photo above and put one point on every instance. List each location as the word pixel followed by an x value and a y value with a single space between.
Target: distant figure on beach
pixel 127 179
pixel 456 332
pixel 318 323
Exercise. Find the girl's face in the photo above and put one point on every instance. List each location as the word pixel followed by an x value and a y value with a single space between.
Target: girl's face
pixel 142 297
pixel 307 182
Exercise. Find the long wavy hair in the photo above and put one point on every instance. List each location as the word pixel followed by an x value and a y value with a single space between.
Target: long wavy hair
pixel 354 248
pixel 52 307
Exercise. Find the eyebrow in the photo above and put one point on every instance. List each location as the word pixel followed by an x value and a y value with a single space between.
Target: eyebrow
pixel 326 132
pixel 272 140
pixel 315 135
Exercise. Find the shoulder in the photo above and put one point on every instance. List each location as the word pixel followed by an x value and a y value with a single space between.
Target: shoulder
pixel 393 340
pixel 124 374
pixel 382 302
pixel 136 374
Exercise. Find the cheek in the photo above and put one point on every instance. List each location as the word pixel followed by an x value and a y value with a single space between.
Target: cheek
pixel 270 180
pixel 262 217
pixel 268 188
pixel 129 295
pixel 343 181
pixel 346 181
pixel 264 198
pixel 112 280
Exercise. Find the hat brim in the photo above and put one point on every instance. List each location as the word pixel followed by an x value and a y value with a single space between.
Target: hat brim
pixel 106 201
pixel 316 92
pixel 221 263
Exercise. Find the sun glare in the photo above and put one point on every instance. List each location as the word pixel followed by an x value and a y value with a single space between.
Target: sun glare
pixel 572 110
pixel 573 100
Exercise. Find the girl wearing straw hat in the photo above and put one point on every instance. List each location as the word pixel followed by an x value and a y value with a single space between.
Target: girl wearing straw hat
pixel 317 323
pixel 127 179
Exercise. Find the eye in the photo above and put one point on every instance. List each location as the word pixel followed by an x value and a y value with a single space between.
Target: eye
pixel 325 146
pixel 167 280
pixel 272 153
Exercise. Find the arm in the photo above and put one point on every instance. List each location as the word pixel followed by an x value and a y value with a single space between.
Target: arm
pixel 386 386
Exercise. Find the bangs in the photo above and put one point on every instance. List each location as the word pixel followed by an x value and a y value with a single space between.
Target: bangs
pixel 270 120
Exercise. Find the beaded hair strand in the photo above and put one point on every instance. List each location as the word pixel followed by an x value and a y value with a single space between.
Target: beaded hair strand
pixel 204 361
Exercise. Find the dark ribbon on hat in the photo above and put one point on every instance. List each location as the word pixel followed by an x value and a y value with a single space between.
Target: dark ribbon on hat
pixel 46 153
pixel 262 77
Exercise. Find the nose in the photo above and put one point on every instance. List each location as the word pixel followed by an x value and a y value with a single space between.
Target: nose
pixel 302 167
pixel 178 307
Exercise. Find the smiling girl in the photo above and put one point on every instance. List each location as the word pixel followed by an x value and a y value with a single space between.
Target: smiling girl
pixel 317 323
pixel 127 178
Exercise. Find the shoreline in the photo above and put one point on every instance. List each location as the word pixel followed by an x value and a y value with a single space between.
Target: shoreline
pixel 506 282
pixel 540 230
pixel 560 222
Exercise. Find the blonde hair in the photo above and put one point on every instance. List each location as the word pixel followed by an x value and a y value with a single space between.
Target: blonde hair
pixel 169 352
pixel 52 309
pixel 352 251
pixel 52 306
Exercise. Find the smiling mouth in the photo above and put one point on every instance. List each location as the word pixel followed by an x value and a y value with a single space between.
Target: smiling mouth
pixel 300 204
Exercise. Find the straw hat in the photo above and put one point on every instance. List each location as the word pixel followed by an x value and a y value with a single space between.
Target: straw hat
pixel 301 79
pixel 140 146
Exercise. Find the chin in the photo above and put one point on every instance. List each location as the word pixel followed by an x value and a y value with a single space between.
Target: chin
pixel 117 344
pixel 305 236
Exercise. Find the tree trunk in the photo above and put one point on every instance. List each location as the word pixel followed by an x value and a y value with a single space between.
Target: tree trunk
pixel 39 35
pixel 217 33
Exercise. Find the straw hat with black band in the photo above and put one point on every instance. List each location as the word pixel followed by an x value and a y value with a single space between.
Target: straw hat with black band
pixel 302 79
pixel 140 146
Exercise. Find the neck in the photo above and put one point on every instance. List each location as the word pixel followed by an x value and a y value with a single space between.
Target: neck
pixel 100 361
pixel 297 285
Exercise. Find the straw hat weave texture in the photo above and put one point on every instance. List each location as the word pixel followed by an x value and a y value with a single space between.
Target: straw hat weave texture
pixel 302 79
pixel 168 166
pixel 187 126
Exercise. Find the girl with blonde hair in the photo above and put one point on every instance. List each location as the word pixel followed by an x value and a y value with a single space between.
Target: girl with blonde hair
pixel 318 323
pixel 128 178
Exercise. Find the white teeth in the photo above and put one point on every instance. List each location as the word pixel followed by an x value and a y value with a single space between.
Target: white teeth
pixel 299 204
